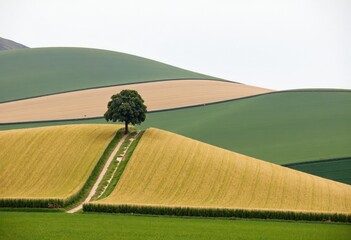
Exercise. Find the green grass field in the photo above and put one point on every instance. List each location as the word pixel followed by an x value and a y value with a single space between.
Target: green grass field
pixel 338 170
pixel 17 225
pixel 33 72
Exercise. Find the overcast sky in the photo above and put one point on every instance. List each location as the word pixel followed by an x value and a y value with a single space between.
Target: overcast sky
pixel 278 44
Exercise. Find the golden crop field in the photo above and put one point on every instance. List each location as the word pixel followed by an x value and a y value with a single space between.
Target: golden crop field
pixel 168 170
pixel 50 162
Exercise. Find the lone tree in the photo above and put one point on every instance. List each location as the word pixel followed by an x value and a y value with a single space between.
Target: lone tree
pixel 126 106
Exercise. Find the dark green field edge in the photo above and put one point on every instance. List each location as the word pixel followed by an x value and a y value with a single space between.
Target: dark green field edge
pixel 115 85
pixel 218 212
pixel 73 200
pixel 186 107
pixel 337 169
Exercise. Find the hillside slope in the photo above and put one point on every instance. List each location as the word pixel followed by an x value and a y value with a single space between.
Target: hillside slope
pixel 282 127
pixel 169 170
pixel 6 44
pixel 41 71
pixel 50 162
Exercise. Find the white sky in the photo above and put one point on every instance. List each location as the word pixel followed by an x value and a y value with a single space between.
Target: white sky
pixel 278 44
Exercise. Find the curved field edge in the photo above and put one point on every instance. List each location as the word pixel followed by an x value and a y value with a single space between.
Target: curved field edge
pixel 72 200
pixel 217 212
pixel 53 70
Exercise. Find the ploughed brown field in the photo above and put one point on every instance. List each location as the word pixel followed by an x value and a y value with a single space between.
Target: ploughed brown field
pixel 93 102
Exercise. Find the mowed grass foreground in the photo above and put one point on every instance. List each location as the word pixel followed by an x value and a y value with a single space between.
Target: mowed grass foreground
pixel 15 225
pixel 172 171
pixel 50 162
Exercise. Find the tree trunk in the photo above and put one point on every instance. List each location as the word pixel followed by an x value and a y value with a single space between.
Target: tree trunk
pixel 126 128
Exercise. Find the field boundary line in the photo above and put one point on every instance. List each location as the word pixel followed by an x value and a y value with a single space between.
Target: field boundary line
pixel 317 161
pixel 100 177
pixel 191 106
pixel 294 215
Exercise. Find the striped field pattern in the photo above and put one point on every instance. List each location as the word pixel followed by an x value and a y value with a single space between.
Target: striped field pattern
pixel 50 162
pixel 168 170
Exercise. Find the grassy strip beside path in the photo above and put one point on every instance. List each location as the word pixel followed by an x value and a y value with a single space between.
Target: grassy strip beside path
pixel 111 169
pixel 121 167
pixel 99 175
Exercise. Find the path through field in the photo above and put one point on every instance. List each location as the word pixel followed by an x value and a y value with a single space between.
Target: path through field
pixel 120 158
pixel 103 172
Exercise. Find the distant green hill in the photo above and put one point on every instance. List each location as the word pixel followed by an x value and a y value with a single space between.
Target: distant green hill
pixel 6 44
pixel 42 71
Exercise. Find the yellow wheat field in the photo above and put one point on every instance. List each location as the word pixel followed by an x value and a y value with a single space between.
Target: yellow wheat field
pixel 50 162
pixel 170 170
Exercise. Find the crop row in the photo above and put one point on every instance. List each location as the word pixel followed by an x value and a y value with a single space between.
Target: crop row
pixel 217 212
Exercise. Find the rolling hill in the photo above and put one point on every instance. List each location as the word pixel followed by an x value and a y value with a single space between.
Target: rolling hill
pixel 171 171
pixel 280 127
pixel 6 44
pixel 43 71
pixel 50 162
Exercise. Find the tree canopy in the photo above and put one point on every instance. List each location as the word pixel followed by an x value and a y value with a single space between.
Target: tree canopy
pixel 128 107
